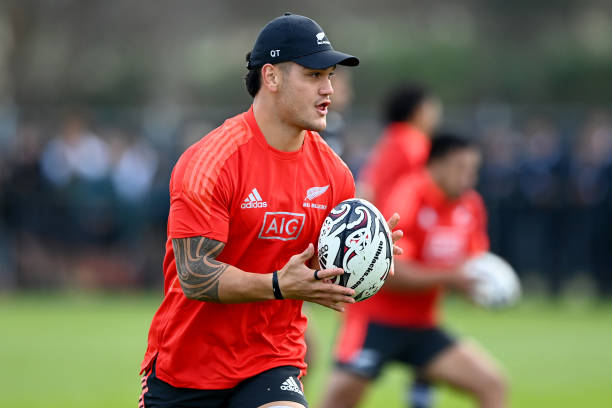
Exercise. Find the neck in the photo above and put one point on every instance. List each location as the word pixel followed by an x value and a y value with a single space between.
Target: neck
pixel 278 133
pixel 436 176
pixel 418 126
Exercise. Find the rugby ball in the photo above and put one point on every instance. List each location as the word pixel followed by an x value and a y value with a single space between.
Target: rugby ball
pixel 355 237
pixel 497 284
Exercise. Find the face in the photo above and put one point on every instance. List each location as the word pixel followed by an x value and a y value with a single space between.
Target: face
pixel 429 114
pixel 458 172
pixel 304 95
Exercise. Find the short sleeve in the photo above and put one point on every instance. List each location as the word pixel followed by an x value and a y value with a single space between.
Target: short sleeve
pixel 479 241
pixel 200 208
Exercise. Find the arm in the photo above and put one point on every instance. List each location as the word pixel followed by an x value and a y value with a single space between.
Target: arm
pixel 411 276
pixel 204 278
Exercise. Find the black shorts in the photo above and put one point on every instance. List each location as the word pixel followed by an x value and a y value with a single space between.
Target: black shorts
pixel 276 384
pixel 412 346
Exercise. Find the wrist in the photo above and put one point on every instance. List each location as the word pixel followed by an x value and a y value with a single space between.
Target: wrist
pixel 278 295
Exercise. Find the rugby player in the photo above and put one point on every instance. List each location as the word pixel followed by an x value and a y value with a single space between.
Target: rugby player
pixel 411 113
pixel 246 205
pixel 444 224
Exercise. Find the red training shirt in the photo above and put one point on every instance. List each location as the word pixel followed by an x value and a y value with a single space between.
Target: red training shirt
pixel 438 233
pixel 402 149
pixel 265 205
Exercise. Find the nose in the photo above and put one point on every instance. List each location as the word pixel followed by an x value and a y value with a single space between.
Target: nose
pixel 326 89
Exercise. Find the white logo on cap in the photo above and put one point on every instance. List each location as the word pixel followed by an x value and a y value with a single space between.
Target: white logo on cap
pixel 321 39
pixel 274 53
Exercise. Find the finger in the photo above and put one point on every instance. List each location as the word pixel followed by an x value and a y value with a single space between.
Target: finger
pixel 397 235
pixel 392 270
pixel 328 273
pixel 334 306
pixel 397 250
pixel 337 307
pixel 307 254
pixel 338 295
pixel 326 290
pixel 392 222
pixel 343 299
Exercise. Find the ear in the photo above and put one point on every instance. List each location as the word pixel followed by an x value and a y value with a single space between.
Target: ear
pixel 271 77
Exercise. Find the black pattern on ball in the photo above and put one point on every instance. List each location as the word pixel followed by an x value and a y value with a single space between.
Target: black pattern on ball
pixel 355 237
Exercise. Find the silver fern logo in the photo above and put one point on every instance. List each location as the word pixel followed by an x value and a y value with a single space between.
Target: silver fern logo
pixel 322 39
pixel 314 192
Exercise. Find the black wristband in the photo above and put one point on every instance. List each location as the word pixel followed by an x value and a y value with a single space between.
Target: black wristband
pixel 275 288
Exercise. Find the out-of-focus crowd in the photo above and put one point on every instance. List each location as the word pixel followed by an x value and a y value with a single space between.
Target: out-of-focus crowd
pixel 548 188
pixel 84 198
pixel 83 202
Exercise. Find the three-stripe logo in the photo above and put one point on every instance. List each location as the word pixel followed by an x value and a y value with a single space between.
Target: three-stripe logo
pixel 291 385
pixel 253 200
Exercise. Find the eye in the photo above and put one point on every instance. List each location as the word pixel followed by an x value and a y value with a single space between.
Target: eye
pixel 331 74
pixel 315 74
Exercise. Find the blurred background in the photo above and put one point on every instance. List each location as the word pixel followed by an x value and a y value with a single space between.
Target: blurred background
pixel 99 98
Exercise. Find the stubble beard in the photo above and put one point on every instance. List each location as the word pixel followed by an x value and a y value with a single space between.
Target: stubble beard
pixel 316 127
pixel 296 116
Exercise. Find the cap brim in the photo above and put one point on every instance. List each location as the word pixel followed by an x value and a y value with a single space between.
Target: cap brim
pixel 326 59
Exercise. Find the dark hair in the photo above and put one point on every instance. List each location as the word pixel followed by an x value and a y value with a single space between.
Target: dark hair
pixel 444 143
pixel 403 101
pixel 252 80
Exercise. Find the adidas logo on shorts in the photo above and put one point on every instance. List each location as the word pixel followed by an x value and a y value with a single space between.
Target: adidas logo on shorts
pixel 291 385
pixel 254 200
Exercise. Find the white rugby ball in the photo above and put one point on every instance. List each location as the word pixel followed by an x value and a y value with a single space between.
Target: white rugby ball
pixel 497 284
pixel 355 237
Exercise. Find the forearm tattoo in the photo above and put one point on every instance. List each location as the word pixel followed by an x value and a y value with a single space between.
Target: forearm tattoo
pixel 197 269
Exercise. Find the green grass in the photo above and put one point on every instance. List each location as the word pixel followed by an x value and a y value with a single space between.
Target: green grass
pixel 70 350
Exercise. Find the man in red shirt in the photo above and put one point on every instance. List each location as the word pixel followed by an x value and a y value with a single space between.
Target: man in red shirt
pixel 444 224
pixel 241 204
pixel 412 113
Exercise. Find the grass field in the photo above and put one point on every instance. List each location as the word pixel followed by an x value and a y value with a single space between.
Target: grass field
pixel 74 350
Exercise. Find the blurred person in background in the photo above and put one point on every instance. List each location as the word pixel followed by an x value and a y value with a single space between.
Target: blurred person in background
pixel 411 113
pixel 21 198
pixel 591 197
pixel 76 153
pixel 498 184
pixel 8 277
pixel 77 163
pixel 542 175
pixel 132 176
pixel 444 224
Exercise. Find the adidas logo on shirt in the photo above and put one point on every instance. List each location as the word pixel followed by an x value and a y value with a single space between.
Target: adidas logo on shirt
pixel 291 385
pixel 254 200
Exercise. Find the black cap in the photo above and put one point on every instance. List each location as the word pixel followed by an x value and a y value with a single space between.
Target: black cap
pixel 299 39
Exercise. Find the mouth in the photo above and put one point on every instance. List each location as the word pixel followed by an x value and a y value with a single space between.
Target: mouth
pixel 322 107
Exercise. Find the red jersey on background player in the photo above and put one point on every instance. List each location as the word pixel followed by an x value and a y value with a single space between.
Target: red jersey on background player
pixel 242 206
pixel 444 224
pixel 411 113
